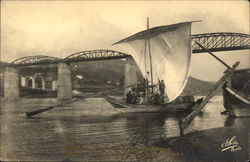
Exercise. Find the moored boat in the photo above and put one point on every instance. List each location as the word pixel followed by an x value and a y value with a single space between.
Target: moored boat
pixel 236 94
pixel 163 55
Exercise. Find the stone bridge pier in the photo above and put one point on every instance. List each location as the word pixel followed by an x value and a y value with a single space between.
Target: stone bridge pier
pixel 130 75
pixel 11 83
pixel 64 84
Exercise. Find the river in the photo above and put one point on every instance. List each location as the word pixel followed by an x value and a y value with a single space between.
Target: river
pixel 88 129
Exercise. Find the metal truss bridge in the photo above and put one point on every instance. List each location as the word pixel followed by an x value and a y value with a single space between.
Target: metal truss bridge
pixel 212 41
pixel 220 42
pixel 33 60
pixel 94 55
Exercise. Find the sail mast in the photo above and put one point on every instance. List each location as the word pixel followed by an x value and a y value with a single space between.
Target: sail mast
pixel 145 54
pixel 149 51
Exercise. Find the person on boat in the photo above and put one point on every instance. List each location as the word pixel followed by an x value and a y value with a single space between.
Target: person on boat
pixel 146 79
pixel 162 87
pixel 129 97
pixel 159 86
pixel 163 96
pixel 156 97
pixel 139 99
pixel 134 96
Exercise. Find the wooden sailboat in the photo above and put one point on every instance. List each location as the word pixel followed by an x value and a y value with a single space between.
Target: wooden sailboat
pixel 163 55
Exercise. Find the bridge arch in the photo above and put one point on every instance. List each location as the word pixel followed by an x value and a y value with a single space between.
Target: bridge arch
pixel 94 55
pixel 39 82
pixel 29 81
pixel 39 59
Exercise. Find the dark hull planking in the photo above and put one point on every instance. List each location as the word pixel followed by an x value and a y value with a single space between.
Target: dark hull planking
pixel 240 81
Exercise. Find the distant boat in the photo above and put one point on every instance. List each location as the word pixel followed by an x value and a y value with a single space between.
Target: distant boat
pixel 236 94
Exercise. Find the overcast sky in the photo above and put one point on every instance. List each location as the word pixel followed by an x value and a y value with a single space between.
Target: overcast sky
pixel 61 28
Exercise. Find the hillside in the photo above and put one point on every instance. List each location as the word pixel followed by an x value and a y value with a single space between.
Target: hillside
pixel 198 87
pixel 96 74
pixel 98 71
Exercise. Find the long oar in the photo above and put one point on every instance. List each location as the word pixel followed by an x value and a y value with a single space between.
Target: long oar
pixel 187 120
pixel 217 58
pixel 197 108
pixel 32 113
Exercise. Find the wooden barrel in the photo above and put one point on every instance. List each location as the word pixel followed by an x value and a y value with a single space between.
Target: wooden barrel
pixel 186 99
pixel 191 99
pixel 181 99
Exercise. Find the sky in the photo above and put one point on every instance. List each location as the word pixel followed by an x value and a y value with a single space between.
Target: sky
pixel 60 28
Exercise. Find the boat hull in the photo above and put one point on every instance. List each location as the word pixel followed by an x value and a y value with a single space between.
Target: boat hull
pixel 235 106
pixel 120 103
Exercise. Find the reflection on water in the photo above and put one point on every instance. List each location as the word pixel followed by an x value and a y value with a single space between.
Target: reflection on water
pixel 55 134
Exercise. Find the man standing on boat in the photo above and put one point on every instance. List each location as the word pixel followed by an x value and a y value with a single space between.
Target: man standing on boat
pixel 162 87
pixel 146 79
pixel 134 96
pixel 129 97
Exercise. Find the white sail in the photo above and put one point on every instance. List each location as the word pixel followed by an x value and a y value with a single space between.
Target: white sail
pixel 171 54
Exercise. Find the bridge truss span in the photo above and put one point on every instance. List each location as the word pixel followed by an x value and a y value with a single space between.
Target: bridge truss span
pixel 220 42
pixel 94 55
pixel 214 42
pixel 36 60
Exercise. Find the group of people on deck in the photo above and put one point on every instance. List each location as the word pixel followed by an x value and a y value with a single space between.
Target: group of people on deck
pixel 134 97
pixel 144 94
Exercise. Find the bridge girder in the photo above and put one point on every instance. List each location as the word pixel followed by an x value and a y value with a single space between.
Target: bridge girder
pixel 33 60
pixel 212 41
pixel 94 55
pixel 216 42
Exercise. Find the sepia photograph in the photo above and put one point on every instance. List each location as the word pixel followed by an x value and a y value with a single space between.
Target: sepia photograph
pixel 125 80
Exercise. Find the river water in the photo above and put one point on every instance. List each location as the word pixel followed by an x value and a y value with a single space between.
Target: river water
pixel 89 129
